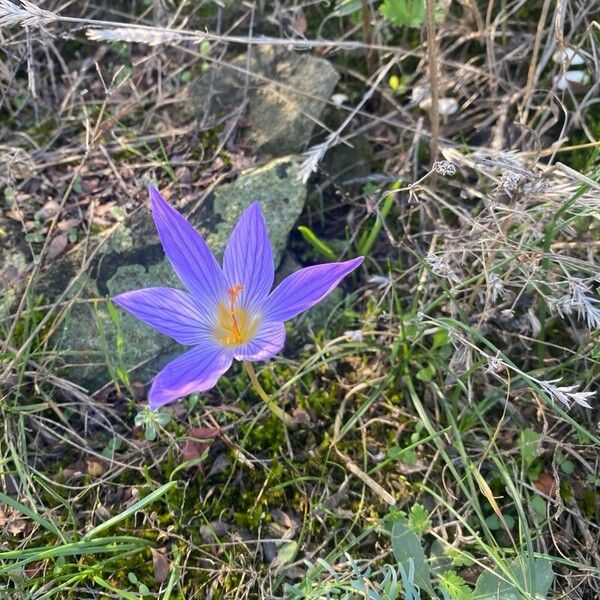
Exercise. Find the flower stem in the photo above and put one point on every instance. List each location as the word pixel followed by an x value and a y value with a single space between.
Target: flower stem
pixel 272 406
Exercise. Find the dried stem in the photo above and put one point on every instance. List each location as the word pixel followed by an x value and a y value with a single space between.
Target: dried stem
pixel 273 407
pixel 434 115
pixel 366 15
pixel 99 30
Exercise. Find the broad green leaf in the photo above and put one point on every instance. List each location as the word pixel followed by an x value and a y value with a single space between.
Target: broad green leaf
pixel 406 546
pixel 539 506
pixel 286 554
pixel 459 558
pixel 438 558
pixel 533 576
pixel 404 13
pixel 567 466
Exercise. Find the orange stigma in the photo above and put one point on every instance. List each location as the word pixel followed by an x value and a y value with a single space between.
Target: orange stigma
pixel 233 293
pixel 234 326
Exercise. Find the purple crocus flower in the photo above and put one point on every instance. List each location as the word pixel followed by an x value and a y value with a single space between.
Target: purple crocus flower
pixel 227 313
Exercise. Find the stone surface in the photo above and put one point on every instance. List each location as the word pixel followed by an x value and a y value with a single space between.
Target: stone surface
pixel 286 94
pixel 95 344
pixel 14 260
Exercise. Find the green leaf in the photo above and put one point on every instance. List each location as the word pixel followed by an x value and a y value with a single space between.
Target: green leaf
pixel 528 443
pixel 426 374
pixel 539 506
pixel 122 75
pixel 459 558
pixel 493 522
pixel 144 589
pixel 406 455
pixel 532 575
pixel 346 7
pixel 113 446
pixel 404 13
pixel 438 558
pixel 319 245
pixel 567 466
pixel 418 519
pixel 286 554
pixel 143 502
pixel 441 338
pixel 118 213
pixel 10 197
pixel 150 432
pixel 406 546
pixel 455 586
pixel 162 417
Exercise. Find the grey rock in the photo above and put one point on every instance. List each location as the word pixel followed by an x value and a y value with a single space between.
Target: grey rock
pixel 14 261
pixel 97 343
pixel 282 98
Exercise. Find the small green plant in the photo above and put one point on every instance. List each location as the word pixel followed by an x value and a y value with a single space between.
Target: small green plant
pixel 407 13
pixel 322 580
pixel 520 577
pixel 404 13
pixel 150 420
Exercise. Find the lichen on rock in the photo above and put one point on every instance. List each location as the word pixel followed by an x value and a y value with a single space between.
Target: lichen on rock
pixel 284 93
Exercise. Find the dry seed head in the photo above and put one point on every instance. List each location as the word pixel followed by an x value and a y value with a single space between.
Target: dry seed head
pixel 510 181
pixel 579 301
pixel 567 394
pixel 26 15
pixel 444 167
pixel 152 37
pixel 496 289
pixel 440 266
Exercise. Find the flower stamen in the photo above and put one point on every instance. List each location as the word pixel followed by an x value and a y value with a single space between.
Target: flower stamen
pixel 234 292
pixel 235 326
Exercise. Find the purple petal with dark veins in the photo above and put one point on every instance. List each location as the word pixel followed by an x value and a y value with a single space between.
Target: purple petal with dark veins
pixel 191 258
pixel 195 371
pixel 305 288
pixel 268 341
pixel 248 258
pixel 170 311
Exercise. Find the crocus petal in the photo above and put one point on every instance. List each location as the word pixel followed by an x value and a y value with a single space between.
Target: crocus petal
pixel 248 258
pixel 170 311
pixel 267 342
pixel 305 288
pixel 191 258
pixel 195 371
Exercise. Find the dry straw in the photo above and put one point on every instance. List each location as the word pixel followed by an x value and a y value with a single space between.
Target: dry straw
pixel 26 15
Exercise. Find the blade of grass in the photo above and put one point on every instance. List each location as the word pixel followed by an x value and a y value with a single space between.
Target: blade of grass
pixel 152 497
